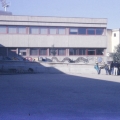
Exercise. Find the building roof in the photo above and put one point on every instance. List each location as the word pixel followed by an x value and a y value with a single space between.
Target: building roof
pixel 5 13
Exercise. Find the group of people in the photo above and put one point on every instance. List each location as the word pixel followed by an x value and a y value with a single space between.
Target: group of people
pixel 112 69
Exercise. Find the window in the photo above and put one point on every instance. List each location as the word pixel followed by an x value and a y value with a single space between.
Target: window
pixel 22 30
pixel 12 51
pixel 61 31
pixel 43 31
pixel 34 30
pixel 73 51
pixel 73 31
pixel 90 31
pixel 99 51
pixel 82 31
pixel 12 29
pixel 82 51
pixel 91 51
pixel 53 51
pixel 114 34
pixel 34 51
pixel 61 51
pixel 43 51
pixel 22 51
pixel 3 29
pixel 99 31
pixel 53 31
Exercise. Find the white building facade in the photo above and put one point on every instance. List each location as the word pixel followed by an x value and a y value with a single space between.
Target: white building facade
pixel 35 37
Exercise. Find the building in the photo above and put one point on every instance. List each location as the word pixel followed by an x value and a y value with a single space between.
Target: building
pixel 113 39
pixel 5 13
pixel 34 37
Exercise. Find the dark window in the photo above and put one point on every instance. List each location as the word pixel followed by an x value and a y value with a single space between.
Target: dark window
pixel 82 31
pixel 34 51
pixel 22 51
pixel 3 29
pixel 91 51
pixel 82 51
pixel 73 31
pixel 43 51
pixel 90 31
pixel 73 51
pixel 53 51
pixel 114 34
pixel 100 31
pixel 61 51
pixel 99 51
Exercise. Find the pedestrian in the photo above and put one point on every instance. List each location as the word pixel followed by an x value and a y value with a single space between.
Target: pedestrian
pixel 97 68
pixel 111 68
pixel 106 69
pixel 116 68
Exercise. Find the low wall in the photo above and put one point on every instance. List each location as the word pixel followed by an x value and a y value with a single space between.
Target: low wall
pixel 44 67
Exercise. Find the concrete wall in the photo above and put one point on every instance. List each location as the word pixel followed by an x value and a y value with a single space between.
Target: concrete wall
pixel 53 21
pixel 58 41
pixel 52 67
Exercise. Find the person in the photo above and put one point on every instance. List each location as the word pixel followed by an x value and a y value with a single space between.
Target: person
pixel 116 68
pixel 97 68
pixel 111 68
pixel 106 69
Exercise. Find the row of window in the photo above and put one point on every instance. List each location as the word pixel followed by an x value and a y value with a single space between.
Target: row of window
pixel 51 30
pixel 51 51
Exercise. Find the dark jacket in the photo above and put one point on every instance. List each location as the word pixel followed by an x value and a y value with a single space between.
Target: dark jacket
pixel 116 65
pixel 111 65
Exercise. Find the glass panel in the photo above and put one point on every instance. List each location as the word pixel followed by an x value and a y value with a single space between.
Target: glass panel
pixel 3 51
pixel 12 29
pixel 43 51
pixel 99 31
pixel 43 31
pixel 73 31
pixel 99 51
pixel 22 51
pixel 53 51
pixel 34 51
pixel 62 51
pixel 82 31
pixel 34 30
pixel 91 51
pixel 22 30
pixel 53 31
pixel 61 30
pixel 3 29
pixel 82 51
pixel 73 51
pixel 91 31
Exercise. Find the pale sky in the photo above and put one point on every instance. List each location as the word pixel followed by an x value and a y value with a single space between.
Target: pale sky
pixel 109 9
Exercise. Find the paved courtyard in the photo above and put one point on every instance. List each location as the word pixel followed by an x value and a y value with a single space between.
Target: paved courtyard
pixel 59 97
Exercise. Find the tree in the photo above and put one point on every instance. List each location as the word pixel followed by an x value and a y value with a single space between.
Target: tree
pixel 116 54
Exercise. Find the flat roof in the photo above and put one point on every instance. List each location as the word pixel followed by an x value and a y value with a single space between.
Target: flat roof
pixel 53 19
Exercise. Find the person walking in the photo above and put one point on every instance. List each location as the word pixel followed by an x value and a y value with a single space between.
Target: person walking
pixel 97 68
pixel 116 68
pixel 111 68
pixel 106 69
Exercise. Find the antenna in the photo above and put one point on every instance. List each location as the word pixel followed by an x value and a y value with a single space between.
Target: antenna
pixel 5 4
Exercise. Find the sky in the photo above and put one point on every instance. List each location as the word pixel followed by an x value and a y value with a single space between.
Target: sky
pixel 109 9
